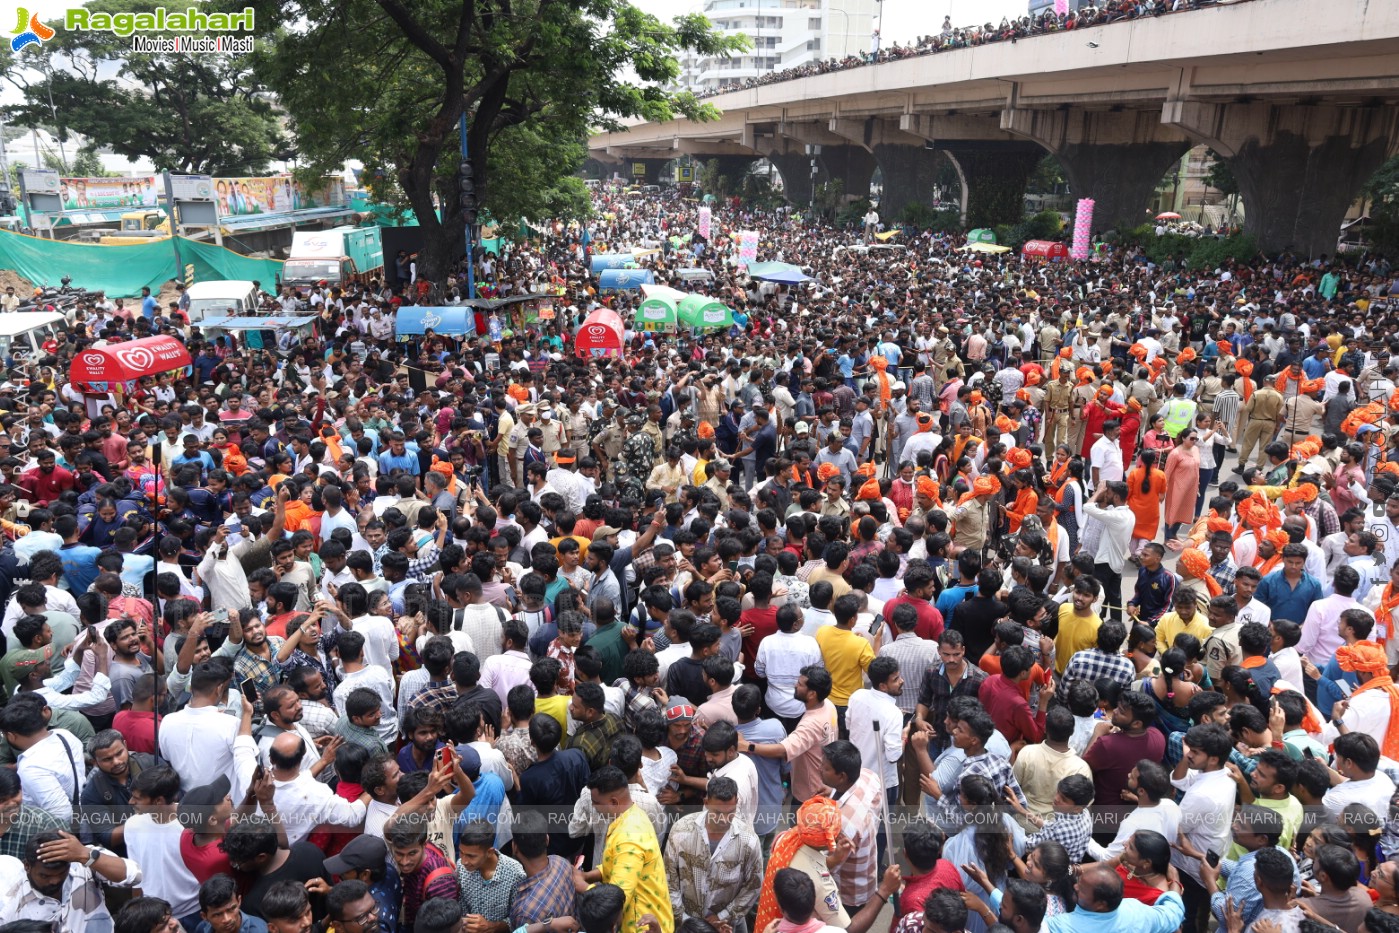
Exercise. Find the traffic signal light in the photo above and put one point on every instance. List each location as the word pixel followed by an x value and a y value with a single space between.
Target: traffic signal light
pixel 466 180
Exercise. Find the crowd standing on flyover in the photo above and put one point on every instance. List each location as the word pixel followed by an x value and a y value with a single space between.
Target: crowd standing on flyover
pixel 950 37
pixel 948 591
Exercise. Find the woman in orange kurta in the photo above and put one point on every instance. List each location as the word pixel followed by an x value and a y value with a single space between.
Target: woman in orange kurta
pixel 1182 482
pixel 1025 502
pixel 1146 487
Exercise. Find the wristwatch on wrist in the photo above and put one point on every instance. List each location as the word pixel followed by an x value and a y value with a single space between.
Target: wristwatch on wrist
pixel 93 855
pixel 752 747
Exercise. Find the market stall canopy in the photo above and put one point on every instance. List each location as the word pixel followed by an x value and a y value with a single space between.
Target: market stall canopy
pixel 985 248
pixel 982 235
pixel 415 320
pixel 703 311
pixel 272 322
pixel 601 262
pixel 490 304
pixel 659 309
pixel 624 279
pixel 1045 249
pixel 600 334
pixel 781 272
pixel 102 369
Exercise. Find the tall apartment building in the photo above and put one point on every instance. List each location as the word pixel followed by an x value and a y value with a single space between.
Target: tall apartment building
pixel 782 34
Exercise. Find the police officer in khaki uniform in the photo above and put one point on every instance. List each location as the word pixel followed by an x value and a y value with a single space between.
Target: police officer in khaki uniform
pixel 607 442
pixel 1078 398
pixel 1210 386
pixel 1259 418
pixel 1058 399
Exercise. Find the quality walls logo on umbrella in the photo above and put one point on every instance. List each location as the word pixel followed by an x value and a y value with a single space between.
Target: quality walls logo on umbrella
pixel 29 30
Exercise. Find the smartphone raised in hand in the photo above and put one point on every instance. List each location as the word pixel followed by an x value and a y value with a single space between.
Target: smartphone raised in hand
pixel 249 690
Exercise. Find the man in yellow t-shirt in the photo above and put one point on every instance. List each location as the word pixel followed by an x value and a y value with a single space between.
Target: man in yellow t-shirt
pixel 1078 624
pixel 845 653
pixel 631 856
pixel 1186 618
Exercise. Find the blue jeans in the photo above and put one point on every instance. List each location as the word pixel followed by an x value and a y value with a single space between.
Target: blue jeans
pixel 1207 478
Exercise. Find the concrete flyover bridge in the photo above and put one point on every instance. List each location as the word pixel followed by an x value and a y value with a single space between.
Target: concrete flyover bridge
pixel 1299 97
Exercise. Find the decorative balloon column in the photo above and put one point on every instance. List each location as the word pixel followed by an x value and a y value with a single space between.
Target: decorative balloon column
pixel 1083 229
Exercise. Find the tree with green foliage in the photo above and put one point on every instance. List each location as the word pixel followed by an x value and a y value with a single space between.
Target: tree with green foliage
pixel 199 114
pixel 1220 176
pixel 387 82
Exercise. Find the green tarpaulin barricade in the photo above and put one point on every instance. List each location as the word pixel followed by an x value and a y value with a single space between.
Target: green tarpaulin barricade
pixel 703 311
pixel 122 271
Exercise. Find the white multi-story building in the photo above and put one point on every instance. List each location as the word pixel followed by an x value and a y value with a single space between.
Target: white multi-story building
pixel 783 34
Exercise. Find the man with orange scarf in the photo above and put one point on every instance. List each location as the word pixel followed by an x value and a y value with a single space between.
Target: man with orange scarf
pixel 1384 603
pixel 972 515
pixel 1373 710
pixel 805 847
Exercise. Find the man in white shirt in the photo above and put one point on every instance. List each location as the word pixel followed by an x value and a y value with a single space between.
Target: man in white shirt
pixel 1206 810
pixel 720 745
pixel 198 740
pixel 303 802
pixel 1108 507
pixel 1156 810
pixel 510 668
pixel 51 766
pixel 781 657
pixel 876 722
pixel 152 841
pixel 1357 757
pixel 1105 456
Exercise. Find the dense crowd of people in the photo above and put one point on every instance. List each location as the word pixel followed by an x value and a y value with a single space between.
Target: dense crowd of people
pixel 944 591
pixel 950 37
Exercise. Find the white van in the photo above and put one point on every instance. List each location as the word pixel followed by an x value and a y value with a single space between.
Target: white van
pixel 22 333
pixel 228 298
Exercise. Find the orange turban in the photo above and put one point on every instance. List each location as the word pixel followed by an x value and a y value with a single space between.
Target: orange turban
pixel 1244 367
pixel 1004 424
pixel 1219 524
pixel 1394 400
pixel 926 487
pixel 1185 356
pixel 1065 353
pixel 976 397
pixel 445 468
pixel 1084 374
pixel 879 363
pixel 865 470
pixel 1104 391
pixel 869 491
pixel 1105 366
pixel 1363 657
pixel 1034 378
pixel 826 470
pixel 1225 347
pixel 1303 492
pixel 817 826
pixel 1134 405
pixel 1137 350
pixel 986 486
pixel 1387 466
pixel 1023 395
pixel 1311 385
pixel 1195 561
pixel 1277 538
pixel 705 431
pixel 1019 458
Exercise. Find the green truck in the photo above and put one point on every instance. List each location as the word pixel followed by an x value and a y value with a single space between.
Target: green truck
pixel 337 257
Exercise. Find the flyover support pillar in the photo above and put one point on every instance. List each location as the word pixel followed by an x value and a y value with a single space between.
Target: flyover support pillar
pixel 1298 166
pixel 909 176
pixel 994 175
pixel 1116 159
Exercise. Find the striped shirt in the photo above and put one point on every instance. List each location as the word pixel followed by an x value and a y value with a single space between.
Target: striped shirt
pixel 860 806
